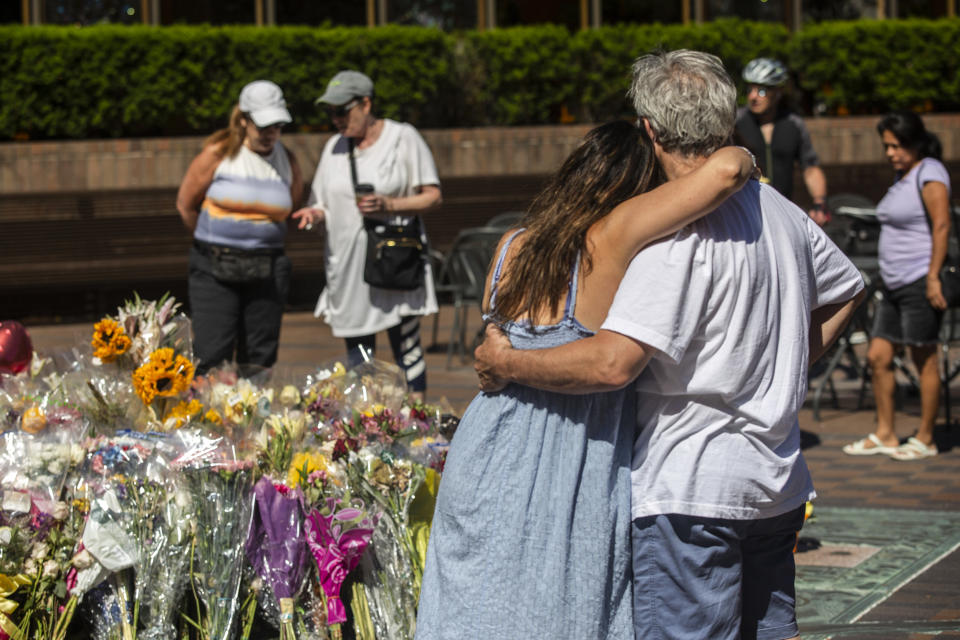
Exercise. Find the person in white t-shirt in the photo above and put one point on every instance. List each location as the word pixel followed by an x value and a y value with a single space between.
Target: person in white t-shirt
pixel 722 320
pixel 393 158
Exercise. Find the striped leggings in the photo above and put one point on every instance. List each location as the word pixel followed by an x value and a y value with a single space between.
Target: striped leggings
pixel 405 343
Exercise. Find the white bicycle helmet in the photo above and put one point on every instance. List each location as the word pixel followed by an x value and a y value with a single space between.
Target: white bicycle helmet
pixel 765 71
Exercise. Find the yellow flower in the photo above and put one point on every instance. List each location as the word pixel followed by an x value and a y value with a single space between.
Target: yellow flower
pixel 213 416
pixel 109 341
pixel 374 409
pixel 163 374
pixel 303 464
pixel 34 420
pixel 182 413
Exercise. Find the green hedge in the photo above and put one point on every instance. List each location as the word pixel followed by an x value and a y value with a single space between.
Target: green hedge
pixel 113 81
pixel 861 67
pixel 64 82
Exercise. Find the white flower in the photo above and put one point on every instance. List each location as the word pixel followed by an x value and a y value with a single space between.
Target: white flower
pixel 295 422
pixel 40 551
pixel 60 511
pixel 262 437
pixel 83 560
pixel 51 569
pixel 289 396
pixel 77 454
pixel 30 567
pixel 6 535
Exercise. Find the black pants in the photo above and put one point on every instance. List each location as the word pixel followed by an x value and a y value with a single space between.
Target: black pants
pixel 238 322
pixel 405 344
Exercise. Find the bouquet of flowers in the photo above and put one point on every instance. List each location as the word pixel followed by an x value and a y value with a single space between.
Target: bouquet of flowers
pixel 35 541
pixel 220 488
pixel 139 354
pixel 136 529
pixel 277 548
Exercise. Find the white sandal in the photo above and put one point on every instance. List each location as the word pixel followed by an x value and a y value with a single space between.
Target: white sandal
pixel 860 448
pixel 913 449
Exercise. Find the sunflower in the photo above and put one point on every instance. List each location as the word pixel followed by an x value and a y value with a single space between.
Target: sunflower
pixel 163 374
pixel 182 412
pixel 109 341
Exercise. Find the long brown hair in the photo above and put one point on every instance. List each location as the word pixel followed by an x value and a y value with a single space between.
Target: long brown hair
pixel 614 162
pixel 230 138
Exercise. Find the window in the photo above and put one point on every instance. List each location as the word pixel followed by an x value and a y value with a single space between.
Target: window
pixel 211 11
pixel 641 11
pixel 444 14
pixel 83 12
pixel 314 12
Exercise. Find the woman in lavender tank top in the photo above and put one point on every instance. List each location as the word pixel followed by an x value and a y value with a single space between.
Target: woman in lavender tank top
pixel 530 534
pixel 914 220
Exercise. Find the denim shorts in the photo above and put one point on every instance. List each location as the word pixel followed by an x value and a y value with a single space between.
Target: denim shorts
pixel 905 316
pixel 698 578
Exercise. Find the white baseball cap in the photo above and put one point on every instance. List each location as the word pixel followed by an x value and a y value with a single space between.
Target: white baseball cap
pixel 263 101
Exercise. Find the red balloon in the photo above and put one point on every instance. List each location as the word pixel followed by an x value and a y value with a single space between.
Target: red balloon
pixel 16 349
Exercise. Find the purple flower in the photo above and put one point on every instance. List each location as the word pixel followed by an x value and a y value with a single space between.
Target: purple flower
pixel 276 546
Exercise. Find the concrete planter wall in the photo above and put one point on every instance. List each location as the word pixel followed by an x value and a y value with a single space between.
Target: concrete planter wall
pixel 149 163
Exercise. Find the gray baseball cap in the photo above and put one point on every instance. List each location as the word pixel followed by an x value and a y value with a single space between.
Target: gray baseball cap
pixel 344 87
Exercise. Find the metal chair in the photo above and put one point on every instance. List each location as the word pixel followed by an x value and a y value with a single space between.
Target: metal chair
pixel 461 280
pixel 854 228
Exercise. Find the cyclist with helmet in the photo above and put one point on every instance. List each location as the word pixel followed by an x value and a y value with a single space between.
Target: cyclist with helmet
pixel 778 137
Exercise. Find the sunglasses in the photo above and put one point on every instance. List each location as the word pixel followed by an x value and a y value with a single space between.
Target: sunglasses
pixel 342 110
pixel 760 91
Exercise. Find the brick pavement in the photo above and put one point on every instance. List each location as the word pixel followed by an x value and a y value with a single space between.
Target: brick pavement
pixel 930 598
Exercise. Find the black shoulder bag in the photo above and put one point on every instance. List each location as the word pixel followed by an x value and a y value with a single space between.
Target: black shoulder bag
pixel 949 273
pixel 394 251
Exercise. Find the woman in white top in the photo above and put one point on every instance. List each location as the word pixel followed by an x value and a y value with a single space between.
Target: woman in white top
pixel 235 198
pixel 393 157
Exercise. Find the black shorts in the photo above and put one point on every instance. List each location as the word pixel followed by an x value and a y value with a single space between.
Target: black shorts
pixel 905 316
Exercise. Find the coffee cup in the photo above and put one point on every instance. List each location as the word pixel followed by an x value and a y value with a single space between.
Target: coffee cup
pixel 362 190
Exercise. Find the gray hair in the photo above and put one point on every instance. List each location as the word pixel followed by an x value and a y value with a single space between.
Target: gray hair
pixel 688 98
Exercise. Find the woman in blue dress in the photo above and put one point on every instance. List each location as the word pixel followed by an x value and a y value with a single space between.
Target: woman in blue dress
pixel 531 534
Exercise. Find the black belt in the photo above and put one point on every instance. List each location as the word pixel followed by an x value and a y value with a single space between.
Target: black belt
pixel 214 250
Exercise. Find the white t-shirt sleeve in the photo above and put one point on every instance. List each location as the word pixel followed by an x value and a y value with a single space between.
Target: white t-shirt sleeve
pixel 659 302
pixel 837 279
pixel 422 169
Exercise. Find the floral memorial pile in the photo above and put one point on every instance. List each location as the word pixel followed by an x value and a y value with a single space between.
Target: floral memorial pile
pixel 142 501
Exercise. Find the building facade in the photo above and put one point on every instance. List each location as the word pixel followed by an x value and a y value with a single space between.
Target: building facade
pixel 460 14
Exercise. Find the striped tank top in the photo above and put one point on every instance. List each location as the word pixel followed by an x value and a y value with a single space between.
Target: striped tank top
pixel 245 191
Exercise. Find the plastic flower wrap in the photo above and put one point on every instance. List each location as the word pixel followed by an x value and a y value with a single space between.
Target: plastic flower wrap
pixel 153 325
pixel 233 406
pixel 137 530
pixel 391 573
pixel 220 488
pixel 338 533
pixel 35 546
pixel 277 548
pixel 141 353
pixel 337 528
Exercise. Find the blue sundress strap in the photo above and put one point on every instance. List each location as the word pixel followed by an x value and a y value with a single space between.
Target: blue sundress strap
pixel 572 288
pixel 499 267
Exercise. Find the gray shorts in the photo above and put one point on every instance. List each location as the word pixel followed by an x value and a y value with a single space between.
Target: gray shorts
pixel 697 578
pixel 905 316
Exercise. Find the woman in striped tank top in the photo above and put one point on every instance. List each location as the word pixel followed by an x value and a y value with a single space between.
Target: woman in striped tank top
pixel 235 198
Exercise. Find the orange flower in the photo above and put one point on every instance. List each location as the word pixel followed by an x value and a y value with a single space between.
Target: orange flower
pixel 109 341
pixel 34 420
pixel 163 374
